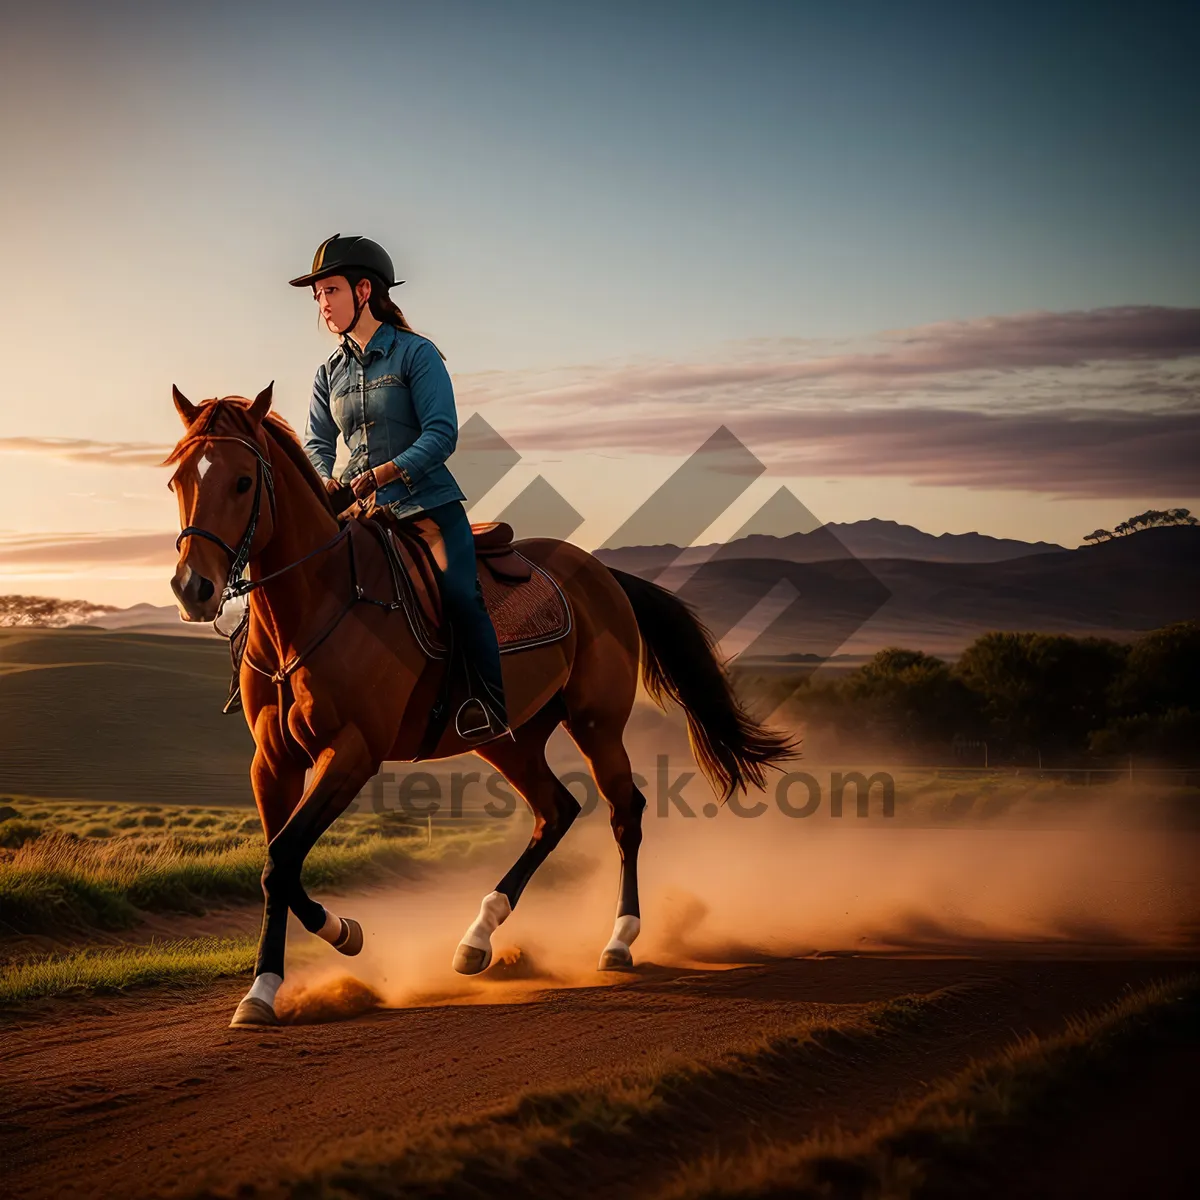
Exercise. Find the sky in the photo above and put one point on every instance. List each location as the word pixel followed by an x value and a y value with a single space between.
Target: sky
pixel 932 263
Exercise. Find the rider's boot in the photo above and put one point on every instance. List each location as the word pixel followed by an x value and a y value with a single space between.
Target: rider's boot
pixel 484 714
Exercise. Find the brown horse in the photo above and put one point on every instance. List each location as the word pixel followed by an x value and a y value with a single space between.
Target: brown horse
pixel 333 679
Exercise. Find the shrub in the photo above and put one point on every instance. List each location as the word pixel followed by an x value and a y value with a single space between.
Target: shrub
pixel 15 833
pixel 1043 689
pixel 1173 735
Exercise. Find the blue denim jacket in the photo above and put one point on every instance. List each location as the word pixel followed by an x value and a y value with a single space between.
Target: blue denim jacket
pixel 391 401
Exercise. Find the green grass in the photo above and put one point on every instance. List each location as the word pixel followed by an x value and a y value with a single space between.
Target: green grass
pixel 102 970
pixel 79 874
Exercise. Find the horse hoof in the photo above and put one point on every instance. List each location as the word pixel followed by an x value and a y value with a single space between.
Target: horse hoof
pixel 352 937
pixel 470 960
pixel 253 1013
pixel 616 958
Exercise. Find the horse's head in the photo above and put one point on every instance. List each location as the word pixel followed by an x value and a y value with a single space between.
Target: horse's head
pixel 223 483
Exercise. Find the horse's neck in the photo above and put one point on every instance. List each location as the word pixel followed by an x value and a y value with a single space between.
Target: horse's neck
pixel 302 525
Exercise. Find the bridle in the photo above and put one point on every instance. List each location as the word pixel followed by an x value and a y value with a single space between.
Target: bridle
pixel 236 587
pixel 239 557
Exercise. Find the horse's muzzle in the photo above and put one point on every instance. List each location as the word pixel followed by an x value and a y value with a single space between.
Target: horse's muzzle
pixel 196 595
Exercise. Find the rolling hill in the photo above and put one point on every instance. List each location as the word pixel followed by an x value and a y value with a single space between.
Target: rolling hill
pixel 117 716
pixel 127 714
pixel 1118 588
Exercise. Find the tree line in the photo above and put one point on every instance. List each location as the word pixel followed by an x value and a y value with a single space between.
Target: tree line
pixel 1068 701
pixel 1146 520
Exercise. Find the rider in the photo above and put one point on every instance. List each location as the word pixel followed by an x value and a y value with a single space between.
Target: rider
pixel 387 391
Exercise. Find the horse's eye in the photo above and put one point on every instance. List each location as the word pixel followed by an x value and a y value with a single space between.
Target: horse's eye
pixel 244 483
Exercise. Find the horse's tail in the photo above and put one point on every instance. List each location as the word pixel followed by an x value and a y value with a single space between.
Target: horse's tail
pixel 730 746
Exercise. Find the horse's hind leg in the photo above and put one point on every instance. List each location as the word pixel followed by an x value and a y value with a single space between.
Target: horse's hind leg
pixel 522 761
pixel 600 743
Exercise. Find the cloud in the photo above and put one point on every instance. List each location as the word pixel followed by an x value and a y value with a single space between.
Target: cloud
pixel 1096 403
pixel 84 450
pixel 1078 452
pixel 85 549
pixel 1025 342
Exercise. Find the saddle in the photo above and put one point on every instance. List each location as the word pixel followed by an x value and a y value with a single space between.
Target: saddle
pixel 525 602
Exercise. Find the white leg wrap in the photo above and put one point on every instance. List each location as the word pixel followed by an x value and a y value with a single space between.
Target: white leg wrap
pixel 332 929
pixel 625 931
pixel 494 909
pixel 264 988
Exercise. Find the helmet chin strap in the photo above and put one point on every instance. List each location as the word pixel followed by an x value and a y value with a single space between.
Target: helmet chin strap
pixel 359 305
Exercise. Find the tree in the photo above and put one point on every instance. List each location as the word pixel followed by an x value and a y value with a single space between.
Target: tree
pixel 1162 671
pixel 1152 516
pixel 911 697
pixel 1040 689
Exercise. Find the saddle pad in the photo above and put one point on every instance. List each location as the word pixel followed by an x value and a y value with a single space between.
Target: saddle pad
pixel 527 614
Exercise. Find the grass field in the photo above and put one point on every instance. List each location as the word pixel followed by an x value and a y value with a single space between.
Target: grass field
pixel 70 867
pixel 120 716
pixel 101 970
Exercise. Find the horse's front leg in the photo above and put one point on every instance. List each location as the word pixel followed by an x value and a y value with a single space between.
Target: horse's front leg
pixel 339 773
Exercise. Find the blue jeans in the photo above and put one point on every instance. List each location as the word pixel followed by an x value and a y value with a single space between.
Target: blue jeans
pixel 463 596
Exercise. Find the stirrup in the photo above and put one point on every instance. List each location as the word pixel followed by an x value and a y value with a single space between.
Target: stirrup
pixel 473 729
pixel 493 725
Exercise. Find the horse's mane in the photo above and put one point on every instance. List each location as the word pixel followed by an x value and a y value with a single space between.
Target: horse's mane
pixel 277 430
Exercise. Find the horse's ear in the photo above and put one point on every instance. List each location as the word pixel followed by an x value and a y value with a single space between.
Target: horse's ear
pixel 262 402
pixel 186 409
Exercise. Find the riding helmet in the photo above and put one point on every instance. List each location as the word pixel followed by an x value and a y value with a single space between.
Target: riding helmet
pixel 337 255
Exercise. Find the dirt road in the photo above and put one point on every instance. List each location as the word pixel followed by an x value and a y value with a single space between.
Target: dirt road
pixel 160 1097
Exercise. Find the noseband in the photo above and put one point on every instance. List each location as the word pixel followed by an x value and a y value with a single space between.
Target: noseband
pixel 235 586
pixel 239 558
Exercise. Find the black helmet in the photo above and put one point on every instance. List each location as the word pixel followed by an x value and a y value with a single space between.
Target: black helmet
pixel 337 255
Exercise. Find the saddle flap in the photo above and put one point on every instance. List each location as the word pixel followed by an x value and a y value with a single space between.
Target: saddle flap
pixel 416 565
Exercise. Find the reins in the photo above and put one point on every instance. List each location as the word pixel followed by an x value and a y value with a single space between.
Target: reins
pixel 236 587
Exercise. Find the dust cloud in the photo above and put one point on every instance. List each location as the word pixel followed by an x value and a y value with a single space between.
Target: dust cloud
pixel 997 868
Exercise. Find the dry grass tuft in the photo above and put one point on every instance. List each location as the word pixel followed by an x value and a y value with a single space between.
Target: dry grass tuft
pixel 63 881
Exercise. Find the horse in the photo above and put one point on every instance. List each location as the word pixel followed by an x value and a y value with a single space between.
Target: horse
pixel 335 678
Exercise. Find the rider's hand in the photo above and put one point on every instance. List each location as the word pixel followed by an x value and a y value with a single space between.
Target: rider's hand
pixel 331 486
pixel 363 485
pixel 385 473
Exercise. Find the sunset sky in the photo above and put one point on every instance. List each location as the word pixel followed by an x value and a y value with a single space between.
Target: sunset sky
pixel 928 262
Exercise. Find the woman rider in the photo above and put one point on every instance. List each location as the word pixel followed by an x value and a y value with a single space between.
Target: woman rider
pixel 387 391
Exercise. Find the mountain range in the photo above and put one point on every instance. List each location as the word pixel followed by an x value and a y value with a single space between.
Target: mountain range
pixel 852 588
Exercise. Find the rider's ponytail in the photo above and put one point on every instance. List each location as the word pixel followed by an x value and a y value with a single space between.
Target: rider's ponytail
pixel 383 307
